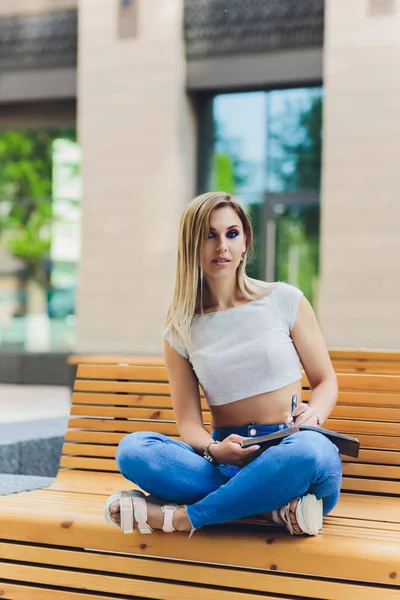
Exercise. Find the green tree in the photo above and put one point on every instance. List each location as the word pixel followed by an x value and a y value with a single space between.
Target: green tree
pixel 296 165
pixel 25 201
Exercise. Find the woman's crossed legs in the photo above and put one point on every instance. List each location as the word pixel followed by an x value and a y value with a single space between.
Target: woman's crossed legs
pixel 170 469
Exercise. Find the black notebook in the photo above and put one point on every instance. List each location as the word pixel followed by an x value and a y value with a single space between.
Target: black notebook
pixel 347 445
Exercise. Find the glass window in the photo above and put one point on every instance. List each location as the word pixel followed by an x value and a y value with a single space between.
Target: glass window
pixel 40 192
pixel 267 151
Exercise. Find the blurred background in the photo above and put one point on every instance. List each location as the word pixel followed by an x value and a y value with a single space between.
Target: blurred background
pixel 115 113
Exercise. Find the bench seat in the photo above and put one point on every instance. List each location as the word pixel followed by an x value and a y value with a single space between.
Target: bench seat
pixel 54 542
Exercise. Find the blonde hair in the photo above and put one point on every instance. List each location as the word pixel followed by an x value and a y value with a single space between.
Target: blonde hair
pixel 190 287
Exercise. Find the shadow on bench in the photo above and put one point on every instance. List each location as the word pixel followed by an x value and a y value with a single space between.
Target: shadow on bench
pixel 55 544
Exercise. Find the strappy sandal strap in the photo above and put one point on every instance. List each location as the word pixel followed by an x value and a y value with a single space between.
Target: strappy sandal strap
pixel 168 512
pixel 281 516
pixel 140 512
pixel 126 514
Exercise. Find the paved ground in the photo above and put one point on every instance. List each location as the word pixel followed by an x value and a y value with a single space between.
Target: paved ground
pixel 30 413
pixel 10 484
pixel 32 402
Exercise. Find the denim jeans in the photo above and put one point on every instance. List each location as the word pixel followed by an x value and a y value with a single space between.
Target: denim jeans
pixel 162 466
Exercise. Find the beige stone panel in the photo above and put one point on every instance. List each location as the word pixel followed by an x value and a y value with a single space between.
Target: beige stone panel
pixel 360 216
pixel 18 7
pixel 137 132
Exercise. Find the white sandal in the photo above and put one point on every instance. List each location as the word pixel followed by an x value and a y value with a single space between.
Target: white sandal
pixel 133 512
pixel 309 515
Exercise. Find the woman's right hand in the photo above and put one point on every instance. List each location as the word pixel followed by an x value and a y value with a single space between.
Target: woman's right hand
pixel 230 452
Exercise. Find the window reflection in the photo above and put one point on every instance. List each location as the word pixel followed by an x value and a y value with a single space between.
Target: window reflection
pixel 267 151
pixel 39 232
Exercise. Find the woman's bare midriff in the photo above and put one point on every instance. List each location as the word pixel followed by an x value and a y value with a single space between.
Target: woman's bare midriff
pixel 265 409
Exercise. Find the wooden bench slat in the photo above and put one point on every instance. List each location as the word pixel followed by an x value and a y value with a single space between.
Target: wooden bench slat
pixel 77 435
pixel 137 400
pixel 379 457
pixel 14 591
pixel 102 451
pixel 125 413
pixel 342 426
pixel 125 585
pixel 93 464
pixel 137 372
pixel 379 442
pixel 346 381
pixel 358 427
pixel 129 399
pixel 373 413
pixel 368 470
pixel 93 437
pixel 122 426
pixel 376 486
pixel 250 580
pixel 122 387
pixel 349 558
pixel 166 413
pixel 89 450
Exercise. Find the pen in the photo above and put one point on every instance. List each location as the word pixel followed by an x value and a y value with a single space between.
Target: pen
pixel 294 405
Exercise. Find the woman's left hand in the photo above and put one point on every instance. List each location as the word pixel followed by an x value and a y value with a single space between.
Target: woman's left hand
pixel 302 415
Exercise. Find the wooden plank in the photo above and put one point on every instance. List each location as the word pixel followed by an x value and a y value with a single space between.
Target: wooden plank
pixel 345 381
pixel 115 359
pixel 383 442
pixel 89 450
pixel 376 486
pixel 143 401
pixel 11 591
pixel 355 398
pixel 95 483
pixel 96 582
pixel 370 507
pixel 364 354
pixel 118 412
pixel 379 457
pixel 197 574
pixel 72 435
pixel 378 383
pixel 97 450
pixel 122 426
pixel 371 413
pixel 122 387
pixel 358 557
pixel 122 372
pixel 341 412
pixel 370 471
pixel 93 464
pixel 358 427
pixel 106 437
pixel 352 427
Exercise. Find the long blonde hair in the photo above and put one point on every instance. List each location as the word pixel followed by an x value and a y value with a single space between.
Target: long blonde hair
pixel 190 287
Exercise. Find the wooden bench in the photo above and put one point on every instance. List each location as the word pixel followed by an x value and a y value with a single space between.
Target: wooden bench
pixel 383 362
pixel 55 544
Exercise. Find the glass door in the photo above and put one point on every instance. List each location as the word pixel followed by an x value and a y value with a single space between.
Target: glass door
pixel 292 240
pixel 266 150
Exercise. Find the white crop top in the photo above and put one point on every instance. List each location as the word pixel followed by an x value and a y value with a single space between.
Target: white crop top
pixel 245 350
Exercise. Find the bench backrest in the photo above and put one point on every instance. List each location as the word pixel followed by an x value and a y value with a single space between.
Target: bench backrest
pixel 344 360
pixel 110 401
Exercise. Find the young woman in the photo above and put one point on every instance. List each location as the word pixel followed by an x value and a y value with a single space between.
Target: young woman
pixel 242 340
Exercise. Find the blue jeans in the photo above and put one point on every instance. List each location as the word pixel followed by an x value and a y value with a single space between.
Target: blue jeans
pixel 303 462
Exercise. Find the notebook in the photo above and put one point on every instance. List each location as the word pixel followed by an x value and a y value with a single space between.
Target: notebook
pixel 350 446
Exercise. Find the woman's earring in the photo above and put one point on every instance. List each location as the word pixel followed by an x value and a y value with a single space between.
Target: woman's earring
pixel 242 258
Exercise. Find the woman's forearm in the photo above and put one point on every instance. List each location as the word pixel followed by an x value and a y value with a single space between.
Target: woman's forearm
pixel 195 435
pixel 323 398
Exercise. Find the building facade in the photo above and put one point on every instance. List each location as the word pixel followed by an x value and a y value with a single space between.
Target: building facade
pixel 291 106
